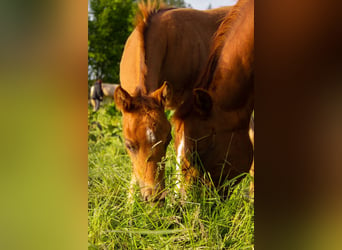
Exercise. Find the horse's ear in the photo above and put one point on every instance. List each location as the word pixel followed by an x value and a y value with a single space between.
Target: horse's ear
pixel 163 94
pixel 202 101
pixel 123 100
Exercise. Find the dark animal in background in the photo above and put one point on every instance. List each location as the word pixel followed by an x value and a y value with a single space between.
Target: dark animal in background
pixel 101 92
pixel 96 94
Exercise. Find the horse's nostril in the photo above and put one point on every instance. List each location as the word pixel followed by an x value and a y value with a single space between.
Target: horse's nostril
pixel 149 195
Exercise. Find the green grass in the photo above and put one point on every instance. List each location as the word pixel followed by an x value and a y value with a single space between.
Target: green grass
pixel 204 221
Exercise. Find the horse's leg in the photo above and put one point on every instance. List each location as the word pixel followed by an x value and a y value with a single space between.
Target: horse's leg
pixel 92 102
pixel 188 176
pixel 97 105
pixel 185 172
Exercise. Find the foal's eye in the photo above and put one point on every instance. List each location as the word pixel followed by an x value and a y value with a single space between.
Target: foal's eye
pixel 130 146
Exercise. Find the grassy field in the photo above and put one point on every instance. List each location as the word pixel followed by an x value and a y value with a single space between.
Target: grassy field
pixel 204 222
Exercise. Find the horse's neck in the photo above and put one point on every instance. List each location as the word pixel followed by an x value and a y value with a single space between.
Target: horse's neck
pixel 233 77
pixel 132 65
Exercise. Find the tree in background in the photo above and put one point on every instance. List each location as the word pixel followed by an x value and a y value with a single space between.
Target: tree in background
pixel 109 25
pixel 108 30
pixel 177 3
pixel 171 3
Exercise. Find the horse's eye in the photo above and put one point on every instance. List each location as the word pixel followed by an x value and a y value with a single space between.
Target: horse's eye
pixel 130 146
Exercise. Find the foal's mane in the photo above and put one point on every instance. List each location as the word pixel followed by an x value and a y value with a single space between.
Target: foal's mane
pixel 147 10
pixel 217 45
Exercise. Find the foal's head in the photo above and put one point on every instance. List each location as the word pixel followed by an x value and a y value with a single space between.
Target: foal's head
pixel 147 133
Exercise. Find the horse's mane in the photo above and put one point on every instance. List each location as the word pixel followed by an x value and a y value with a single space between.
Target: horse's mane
pixel 147 10
pixel 217 45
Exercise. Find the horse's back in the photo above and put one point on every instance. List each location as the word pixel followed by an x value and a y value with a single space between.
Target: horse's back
pixel 187 39
pixel 174 48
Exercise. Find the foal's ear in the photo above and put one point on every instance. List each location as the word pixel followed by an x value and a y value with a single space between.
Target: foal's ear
pixel 202 101
pixel 123 100
pixel 163 94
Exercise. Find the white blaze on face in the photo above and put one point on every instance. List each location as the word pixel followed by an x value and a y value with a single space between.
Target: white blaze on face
pixel 180 153
pixel 150 136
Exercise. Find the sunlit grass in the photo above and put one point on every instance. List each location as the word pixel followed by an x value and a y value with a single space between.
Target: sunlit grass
pixel 204 221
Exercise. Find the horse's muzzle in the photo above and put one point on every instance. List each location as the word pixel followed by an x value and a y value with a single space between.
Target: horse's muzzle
pixel 149 196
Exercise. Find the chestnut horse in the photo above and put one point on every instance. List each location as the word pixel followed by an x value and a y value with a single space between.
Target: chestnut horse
pixel 214 122
pixel 168 47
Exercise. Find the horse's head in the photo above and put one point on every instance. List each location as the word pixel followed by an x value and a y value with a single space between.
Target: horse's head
pixel 219 137
pixel 147 133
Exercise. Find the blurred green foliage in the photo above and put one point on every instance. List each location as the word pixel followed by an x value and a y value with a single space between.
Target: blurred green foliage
pixel 109 26
pixel 204 221
pixel 177 3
